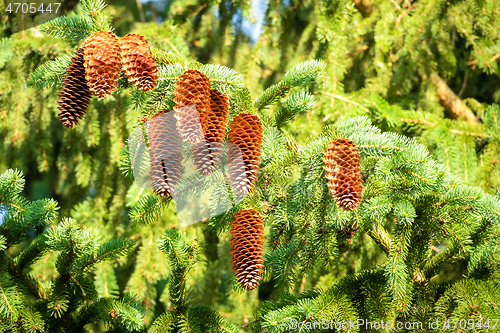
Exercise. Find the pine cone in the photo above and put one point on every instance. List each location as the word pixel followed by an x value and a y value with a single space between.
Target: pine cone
pixel 192 91
pixel 245 134
pixel 341 159
pixel 206 154
pixel 102 63
pixel 138 63
pixel 75 94
pixel 218 118
pixel 165 153
pixel 247 247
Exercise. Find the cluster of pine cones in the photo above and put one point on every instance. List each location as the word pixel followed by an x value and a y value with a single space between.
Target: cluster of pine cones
pixel 95 70
pixel 200 118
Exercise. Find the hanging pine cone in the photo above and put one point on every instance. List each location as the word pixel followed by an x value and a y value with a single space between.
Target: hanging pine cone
pixel 192 104
pixel 341 162
pixel 165 153
pixel 206 154
pixel 75 94
pixel 138 63
pixel 247 247
pixel 217 124
pixel 102 63
pixel 246 136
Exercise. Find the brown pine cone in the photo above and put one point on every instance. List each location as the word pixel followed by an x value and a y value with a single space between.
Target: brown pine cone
pixel 75 94
pixel 165 153
pixel 218 118
pixel 343 171
pixel 192 104
pixel 246 138
pixel 137 62
pixel 247 247
pixel 206 154
pixel 102 63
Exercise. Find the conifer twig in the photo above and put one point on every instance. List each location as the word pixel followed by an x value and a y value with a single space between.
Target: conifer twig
pixel 380 236
pixel 454 131
pixel 32 285
pixel 250 323
pixel 342 98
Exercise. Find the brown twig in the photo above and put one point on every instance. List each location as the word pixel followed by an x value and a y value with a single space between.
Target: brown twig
pixel 365 7
pixel 463 84
pixel 249 323
pixel 451 101
pixel 141 11
pixel 396 4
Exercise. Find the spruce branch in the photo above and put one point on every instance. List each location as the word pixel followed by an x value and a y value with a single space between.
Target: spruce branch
pixel 6 51
pixel 476 299
pixel 165 323
pixel 203 319
pixel 170 72
pixel 92 6
pixel 168 57
pixel 435 261
pixel 32 320
pixel 240 100
pixel 93 10
pixel 297 103
pixel 38 213
pixel 183 254
pixel 281 263
pixel 32 253
pixel 10 300
pixel 381 236
pixel 492 120
pixel 224 79
pixel 28 283
pixel 72 28
pixel 11 186
pixel 148 208
pixel 304 73
pixel 126 314
pixel 300 74
pixel 109 250
pixel 332 305
pixel 125 163
pixel 50 74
